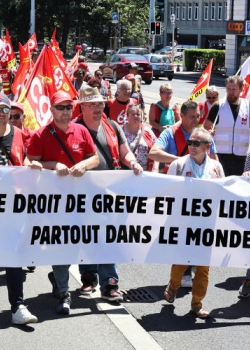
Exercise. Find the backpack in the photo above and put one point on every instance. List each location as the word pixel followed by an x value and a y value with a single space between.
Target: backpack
pixel 167 116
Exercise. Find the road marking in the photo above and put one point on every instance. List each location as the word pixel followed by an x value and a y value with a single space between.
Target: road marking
pixel 122 319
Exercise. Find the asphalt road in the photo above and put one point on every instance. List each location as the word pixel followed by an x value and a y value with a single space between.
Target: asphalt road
pixel 145 321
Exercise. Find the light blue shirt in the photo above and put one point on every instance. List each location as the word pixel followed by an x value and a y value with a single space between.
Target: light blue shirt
pixel 167 142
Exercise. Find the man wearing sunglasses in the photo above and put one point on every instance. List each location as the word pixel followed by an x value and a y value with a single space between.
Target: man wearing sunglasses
pixel 17 118
pixel 196 164
pixel 105 88
pixel 12 153
pixel 67 148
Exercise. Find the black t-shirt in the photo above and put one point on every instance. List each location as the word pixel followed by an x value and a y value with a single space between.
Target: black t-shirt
pixel 215 109
pixel 5 146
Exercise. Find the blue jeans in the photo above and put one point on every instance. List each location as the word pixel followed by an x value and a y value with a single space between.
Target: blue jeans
pixel 61 273
pixel 105 272
pixel 14 282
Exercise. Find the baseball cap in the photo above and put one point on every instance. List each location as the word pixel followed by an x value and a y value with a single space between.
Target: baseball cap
pixel 59 97
pixel 130 76
pixel 17 105
pixel 4 101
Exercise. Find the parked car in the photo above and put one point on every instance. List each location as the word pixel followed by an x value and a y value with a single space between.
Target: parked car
pixel 116 67
pixel 162 66
pixel 166 50
pixel 136 50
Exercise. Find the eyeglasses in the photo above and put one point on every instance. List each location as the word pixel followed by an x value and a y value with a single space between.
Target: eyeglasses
pixel 62 108
pixel 195 143
pixel 211 97
pixel 5 110
pixel 167 92
pixel 15 116
pixel 95 106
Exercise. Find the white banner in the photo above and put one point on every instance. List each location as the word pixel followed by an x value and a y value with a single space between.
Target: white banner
pixel 117 217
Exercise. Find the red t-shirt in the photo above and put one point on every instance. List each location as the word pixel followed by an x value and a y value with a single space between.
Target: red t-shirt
pixel 77 139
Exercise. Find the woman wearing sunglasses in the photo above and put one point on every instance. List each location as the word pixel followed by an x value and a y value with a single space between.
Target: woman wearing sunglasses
pixel 196 164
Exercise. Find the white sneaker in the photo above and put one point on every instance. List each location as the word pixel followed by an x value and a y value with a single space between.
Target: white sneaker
pixel 23 316
pixel 186 281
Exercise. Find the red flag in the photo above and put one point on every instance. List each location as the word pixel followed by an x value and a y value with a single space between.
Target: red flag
pixel 245 74
pixel 203 82
pixel 31 43
pixel 72 66
pixel 46 78
pixel 7 54
pixel 23 71
pixel 55 47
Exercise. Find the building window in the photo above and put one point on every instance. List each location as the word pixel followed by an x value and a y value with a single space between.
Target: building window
pixel 212 11
pixel 177 11
pixel 225 11
pixel 219 11
pixel 183 11
pixel 196 11
pixel 171 8
pixel 206 11
pixel 190 10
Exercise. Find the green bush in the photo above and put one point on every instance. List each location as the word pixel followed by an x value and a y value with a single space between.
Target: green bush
pixel 207 55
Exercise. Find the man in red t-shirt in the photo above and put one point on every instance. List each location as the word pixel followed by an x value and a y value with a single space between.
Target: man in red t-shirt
pixel 116 108
pixel 68 149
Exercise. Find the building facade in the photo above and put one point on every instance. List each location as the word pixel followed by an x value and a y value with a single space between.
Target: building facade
pixel 200 23
pixel 237 35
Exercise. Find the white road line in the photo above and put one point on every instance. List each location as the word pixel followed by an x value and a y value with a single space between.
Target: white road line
pixel 121 318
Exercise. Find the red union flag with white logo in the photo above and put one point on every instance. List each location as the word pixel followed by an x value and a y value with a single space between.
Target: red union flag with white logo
pixel 7 54
pixel 203 82
pixel 23 71
pixel 31 43
pixel 46 78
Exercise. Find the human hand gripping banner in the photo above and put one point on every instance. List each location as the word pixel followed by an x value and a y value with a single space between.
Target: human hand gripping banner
pixel 117 217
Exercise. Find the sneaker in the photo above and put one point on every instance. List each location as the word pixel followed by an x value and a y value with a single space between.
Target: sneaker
pixel 89 283
pixel 244 290
pixel 23 316
pixel 111 292
pixel 186 281
pixel 64 304
pixel 55 290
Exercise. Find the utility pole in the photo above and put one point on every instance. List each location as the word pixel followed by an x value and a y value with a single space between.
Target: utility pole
pixel 32 17
pixel 151 44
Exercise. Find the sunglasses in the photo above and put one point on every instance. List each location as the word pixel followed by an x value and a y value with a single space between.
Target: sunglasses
pixel 15 116
pixel 211 97
pixel 167 92
pixel 62 108
pixel 195 143
pixel 5 110
pixel 99 75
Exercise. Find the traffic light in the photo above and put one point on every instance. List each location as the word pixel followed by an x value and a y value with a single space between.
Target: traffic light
pixel 176 32
pixel 158 28
pixel 152 28
pixel 146 30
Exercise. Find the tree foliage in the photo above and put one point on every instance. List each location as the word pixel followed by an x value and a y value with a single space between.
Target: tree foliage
pixel 75 21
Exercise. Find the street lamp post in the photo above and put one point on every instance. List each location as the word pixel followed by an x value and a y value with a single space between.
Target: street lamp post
pixel 172 19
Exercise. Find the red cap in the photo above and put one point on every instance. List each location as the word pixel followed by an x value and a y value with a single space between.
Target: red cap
pixel 130 76
pixel 83 65
pixel 18 105
pixel 59 97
